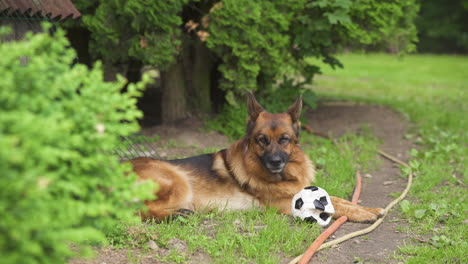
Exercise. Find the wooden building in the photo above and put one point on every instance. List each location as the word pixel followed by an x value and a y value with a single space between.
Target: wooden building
pixel 26 15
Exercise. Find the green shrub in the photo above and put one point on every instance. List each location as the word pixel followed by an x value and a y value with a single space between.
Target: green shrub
pixel 231 120
pixel 442 26
pixel 58 123
pixel 233 46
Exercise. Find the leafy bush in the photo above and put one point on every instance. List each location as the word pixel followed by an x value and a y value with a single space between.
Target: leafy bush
pixel 231 120
pixel 442 26
pixel 231 46
pixel 258 40
pixel 384 25
pixel 125 29
pixel 58 125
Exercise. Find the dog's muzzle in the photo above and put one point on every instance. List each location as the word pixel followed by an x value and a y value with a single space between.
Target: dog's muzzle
pixel 275 163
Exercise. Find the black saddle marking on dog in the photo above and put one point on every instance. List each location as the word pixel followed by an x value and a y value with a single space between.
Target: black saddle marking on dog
pixel 202 163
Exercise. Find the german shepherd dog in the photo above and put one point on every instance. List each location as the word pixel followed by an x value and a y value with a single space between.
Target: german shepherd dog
pixel 265 168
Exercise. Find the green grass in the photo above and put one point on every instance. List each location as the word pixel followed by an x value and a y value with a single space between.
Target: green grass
pixel 432 91
pixel 256 236
pixel 337 164
pixel 228 237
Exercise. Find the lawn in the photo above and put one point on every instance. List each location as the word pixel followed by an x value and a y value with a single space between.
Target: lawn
pixel 433 92
pixel 430 89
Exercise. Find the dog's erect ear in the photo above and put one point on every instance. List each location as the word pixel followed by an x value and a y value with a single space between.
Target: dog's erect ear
pixel 295 110
pixel 253 107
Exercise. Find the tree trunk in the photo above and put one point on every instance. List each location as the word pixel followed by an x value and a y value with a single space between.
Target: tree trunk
pixel 174 98
pixel 187 85
pixel 191 85
pixel 134 71
pixel 201 69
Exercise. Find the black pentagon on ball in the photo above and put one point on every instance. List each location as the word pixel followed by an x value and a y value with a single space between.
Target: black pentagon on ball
pixel 312 188
pixel 324 216
pixel 323 200
pixel 310 219
pixel 299 203
pixel 319 205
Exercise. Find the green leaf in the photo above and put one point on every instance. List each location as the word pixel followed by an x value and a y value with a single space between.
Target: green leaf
pixel 406 170
pixel 420 213
pixel 414 164
pixel 405 206
pixel 310 98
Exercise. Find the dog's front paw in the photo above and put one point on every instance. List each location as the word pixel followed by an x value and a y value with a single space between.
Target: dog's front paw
pixel 363 217
pixel 379 212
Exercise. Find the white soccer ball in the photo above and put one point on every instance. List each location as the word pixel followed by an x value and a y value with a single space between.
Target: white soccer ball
pixel 313 204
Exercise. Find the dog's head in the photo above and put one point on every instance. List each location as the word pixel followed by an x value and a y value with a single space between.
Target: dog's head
pixel 273 137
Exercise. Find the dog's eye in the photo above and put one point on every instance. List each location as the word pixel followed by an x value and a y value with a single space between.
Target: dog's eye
pixel 283 140
pixel 263 140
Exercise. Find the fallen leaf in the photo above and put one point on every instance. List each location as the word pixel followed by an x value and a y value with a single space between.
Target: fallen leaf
pixel 143 43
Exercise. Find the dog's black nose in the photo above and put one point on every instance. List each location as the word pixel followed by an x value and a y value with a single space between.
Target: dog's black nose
pixel 275 161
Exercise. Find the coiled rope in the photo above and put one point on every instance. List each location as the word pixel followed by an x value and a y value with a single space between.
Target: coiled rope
pixel 318 245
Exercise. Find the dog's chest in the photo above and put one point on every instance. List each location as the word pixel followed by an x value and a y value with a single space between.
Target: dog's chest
pixel 230 200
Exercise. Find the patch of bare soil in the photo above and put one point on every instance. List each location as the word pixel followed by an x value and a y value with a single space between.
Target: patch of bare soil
pixel 152 254
pixel 188 138
pixel 185 138
pixel 389 126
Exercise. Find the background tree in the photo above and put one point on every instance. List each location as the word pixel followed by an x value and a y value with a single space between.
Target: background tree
pixel 442 26
pixel 212 50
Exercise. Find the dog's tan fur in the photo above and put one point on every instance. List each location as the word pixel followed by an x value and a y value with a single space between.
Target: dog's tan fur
pixel 236 178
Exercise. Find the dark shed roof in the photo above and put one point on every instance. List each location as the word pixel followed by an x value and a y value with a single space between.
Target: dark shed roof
pixel 56 9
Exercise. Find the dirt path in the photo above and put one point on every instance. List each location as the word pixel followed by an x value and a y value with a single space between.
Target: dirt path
pixel 390 127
